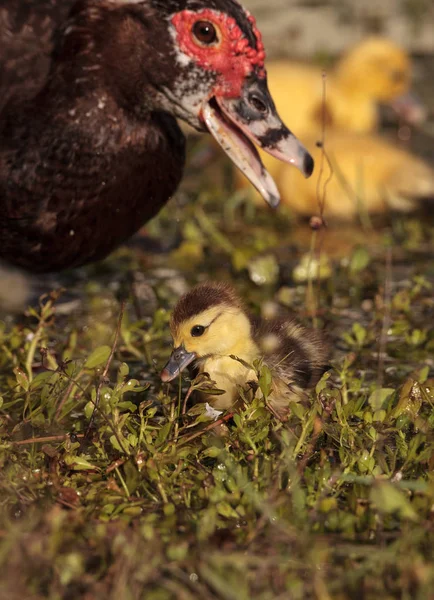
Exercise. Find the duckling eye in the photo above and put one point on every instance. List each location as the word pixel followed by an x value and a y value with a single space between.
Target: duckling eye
pixel 205 32
pixel 197 330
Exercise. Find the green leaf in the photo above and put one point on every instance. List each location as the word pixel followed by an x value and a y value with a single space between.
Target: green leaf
pixel 114 442
pixel 378 397
pixel 241 257
pixel 123 370
pixel 389 499
pixel 163 433
pixel 98 357
pixel 359 260
pixel 322 383
pixel 88 410
pixel 264 270
pixel 127 406
pixel 237 420
pixel 22 379
pixel 225 510
pixel 359 333
pixel 133 440
pixel 177 552
pixel 39 380
pixel 212 452
pixel 78 463
pixel 265 381
pixel 132 476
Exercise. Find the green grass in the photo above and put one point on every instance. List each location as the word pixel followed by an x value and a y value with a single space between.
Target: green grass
pixel 157 502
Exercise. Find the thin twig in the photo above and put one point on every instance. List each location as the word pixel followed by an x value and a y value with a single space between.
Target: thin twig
pixel 187 396
pixel 208 428
pixel 118 463
pixel 65 398
pixel 321 200
pixel 48 438
pixel 386 318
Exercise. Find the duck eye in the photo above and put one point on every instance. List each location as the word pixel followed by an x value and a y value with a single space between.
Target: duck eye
pixel 205 32
pixel 197 330
pixel 257 103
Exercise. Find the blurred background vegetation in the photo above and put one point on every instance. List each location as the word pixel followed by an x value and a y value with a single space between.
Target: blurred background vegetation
pixel 304 28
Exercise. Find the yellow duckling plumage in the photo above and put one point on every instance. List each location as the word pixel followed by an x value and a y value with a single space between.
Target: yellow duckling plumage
pixel 368 175
pixel 374 71
pixel 210 326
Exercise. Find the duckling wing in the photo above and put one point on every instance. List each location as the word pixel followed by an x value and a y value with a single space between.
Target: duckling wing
pixel 26 41
pixel 296 354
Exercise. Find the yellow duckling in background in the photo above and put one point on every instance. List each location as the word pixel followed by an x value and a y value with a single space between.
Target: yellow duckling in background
pixel 210 326
pixel 369 175
pixel 375 71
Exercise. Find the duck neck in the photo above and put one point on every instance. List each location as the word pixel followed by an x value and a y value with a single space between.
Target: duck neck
pixel 81 145
pixel 104 46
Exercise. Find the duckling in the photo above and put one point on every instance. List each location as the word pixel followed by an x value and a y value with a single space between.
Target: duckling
pixel 211 328
pixel 369 175
pixel 374 71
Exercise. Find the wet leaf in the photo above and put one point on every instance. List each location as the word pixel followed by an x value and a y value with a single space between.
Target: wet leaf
pixel 389 499
pixel 22 379
pixel 360 259
pixel 378 397
pixel 265 381
pixel 98 357
pixel 78 463
pixel 264 270
pixel 310 268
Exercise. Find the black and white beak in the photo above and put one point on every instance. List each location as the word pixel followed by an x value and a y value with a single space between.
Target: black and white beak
pixel 178 361
pixel 239 123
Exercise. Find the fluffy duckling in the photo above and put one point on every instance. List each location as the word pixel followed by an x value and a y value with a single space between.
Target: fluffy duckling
pixel 375 71
pixel 210 326
pixel 370 175
pixel 375 174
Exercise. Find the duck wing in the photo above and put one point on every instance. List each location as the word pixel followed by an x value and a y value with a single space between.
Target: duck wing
pixel 26 40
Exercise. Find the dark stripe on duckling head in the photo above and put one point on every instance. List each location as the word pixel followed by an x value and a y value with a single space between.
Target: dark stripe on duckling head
pixel 201 298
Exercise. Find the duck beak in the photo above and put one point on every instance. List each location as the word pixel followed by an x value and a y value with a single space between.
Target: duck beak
pixel 178 361
pixel 239 123
pixel 410 108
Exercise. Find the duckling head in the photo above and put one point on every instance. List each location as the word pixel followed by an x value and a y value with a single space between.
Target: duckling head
pixel 378 67
pixel 208 321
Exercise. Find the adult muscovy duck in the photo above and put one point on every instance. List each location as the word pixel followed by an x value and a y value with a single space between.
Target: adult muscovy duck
pixel 89 95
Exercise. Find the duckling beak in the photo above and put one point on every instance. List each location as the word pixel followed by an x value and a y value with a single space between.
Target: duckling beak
pixel 239 123
pixel 410 108
pixel 178 361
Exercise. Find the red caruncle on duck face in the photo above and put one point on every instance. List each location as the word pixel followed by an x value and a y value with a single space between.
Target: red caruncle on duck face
pixel 215 42
pixel 221 87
